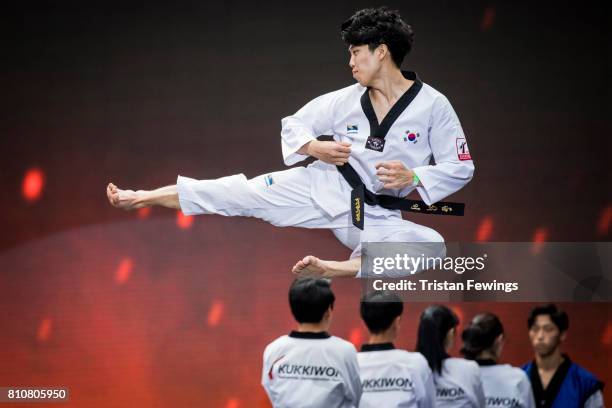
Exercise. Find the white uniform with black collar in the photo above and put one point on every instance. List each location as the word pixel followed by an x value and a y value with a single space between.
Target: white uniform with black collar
pixel 313 370
pixel 427 131
pixel 394 378
pixel 459 385
pixel 505 386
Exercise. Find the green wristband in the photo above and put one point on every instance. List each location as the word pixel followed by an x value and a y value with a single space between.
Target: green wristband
pixel 415 179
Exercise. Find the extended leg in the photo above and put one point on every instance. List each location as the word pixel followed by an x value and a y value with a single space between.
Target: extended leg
pixel 281 198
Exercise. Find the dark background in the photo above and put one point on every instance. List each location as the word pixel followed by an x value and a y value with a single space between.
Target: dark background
pixel 118 305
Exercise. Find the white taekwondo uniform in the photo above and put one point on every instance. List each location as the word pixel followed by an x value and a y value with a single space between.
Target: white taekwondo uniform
pixel 317 196
pixel 459 385
pixel 505 386
pixel 313 370
pixel 394 378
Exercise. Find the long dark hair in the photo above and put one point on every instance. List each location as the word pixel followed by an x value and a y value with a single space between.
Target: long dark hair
pixel 480 334
pixel 436 321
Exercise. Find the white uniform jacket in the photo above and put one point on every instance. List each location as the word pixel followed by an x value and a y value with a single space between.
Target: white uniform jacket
pixel 313 370
pixel 505 386
pixel 426 137
pixel 394 378
pixel 459 385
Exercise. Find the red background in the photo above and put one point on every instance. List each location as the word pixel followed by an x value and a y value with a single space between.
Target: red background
pixel 141 312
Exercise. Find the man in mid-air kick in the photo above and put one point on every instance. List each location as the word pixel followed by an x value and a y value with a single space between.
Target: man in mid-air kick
pixel 391 134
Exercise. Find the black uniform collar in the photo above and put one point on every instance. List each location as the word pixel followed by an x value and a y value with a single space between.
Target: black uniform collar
pixel 377 347
pixel 380 130
pixel 545 397
pixel 309 335
pixel 486 362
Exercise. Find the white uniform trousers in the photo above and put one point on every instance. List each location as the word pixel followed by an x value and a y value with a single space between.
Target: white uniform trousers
pixel 283 199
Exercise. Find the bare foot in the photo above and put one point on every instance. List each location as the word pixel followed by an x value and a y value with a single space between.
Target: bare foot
pixel 312 266
pixel 125 199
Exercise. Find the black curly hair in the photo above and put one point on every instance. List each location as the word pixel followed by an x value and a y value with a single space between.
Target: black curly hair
pixel 376 26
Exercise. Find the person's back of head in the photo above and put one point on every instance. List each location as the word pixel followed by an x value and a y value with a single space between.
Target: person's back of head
pixel 481 335
pixel 379 310
pixel 310 298
pixel 434 326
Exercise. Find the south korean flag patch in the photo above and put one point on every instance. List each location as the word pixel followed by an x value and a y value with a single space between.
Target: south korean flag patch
pixel 463 153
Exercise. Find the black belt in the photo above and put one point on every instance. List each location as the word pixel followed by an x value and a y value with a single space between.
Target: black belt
pixel 361 194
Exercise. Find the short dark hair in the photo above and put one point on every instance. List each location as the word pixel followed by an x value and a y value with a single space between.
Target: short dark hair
pixel 558 317
pixel 376 26
pixel 379 309
pixel 436 321
pixel 310 298
pixel 480 334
